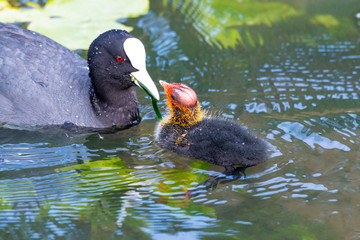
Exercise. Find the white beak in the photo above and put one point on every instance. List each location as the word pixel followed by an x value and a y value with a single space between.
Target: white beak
pixel 135 51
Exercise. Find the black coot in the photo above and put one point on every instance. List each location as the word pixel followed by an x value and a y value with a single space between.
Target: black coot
pixel 187 131
pixel 44 83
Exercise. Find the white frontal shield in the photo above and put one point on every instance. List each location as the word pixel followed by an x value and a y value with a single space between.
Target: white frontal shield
pixel 135 51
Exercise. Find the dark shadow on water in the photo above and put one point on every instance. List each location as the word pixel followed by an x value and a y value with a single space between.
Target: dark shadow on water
pixel 56 135
pixel 213 182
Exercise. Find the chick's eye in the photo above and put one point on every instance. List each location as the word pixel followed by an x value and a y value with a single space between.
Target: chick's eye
pixel 119 59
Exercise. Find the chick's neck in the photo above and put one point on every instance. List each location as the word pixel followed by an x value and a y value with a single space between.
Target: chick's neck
pixel 184 117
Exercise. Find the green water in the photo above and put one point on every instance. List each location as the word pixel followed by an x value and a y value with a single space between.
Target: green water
pixel 288 70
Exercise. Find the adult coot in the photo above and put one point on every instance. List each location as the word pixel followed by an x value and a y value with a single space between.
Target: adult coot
pixel 44 83
pixel 187 131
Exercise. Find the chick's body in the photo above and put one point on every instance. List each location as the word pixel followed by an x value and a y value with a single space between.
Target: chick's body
pixel 218 141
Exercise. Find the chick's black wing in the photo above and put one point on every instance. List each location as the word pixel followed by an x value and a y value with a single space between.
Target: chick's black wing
pixel 225 143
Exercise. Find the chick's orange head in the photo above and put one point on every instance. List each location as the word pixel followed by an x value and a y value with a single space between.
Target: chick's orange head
pixel 179 94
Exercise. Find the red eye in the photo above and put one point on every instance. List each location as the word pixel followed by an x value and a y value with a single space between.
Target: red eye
pixel 119 59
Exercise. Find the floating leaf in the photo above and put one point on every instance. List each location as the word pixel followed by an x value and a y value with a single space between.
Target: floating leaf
pixel 75 23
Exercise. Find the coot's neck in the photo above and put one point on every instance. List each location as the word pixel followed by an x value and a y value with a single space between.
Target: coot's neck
pixel 184 117
pixel 114 105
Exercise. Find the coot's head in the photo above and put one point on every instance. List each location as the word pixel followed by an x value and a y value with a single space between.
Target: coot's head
pixel 183 104
pixel 113 58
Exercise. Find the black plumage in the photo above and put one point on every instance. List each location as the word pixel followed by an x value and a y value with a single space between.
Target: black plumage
pixel 44 83
pixel 214 140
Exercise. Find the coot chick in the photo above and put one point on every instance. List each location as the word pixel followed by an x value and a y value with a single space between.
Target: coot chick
pixel 187 131
pixel 44 83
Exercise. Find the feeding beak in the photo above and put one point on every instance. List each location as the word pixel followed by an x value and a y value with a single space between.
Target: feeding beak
pixel 144 81
pixel 135 51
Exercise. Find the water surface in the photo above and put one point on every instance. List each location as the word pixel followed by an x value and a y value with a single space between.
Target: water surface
pixel 289 71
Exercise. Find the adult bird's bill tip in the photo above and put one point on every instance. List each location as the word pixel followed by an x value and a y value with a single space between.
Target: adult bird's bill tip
pixel 144 81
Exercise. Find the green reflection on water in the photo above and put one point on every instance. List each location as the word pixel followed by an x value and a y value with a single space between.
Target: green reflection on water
pixel 4 204
pixel 227 45
pixel 218 20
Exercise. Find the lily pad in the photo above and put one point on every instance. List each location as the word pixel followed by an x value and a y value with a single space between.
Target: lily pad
pixel 75 23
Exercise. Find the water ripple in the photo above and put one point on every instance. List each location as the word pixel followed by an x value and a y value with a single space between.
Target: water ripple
pixel 26 155
pixel 301 85
pixel 288 186
pixel 299 131
pixel 164 40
